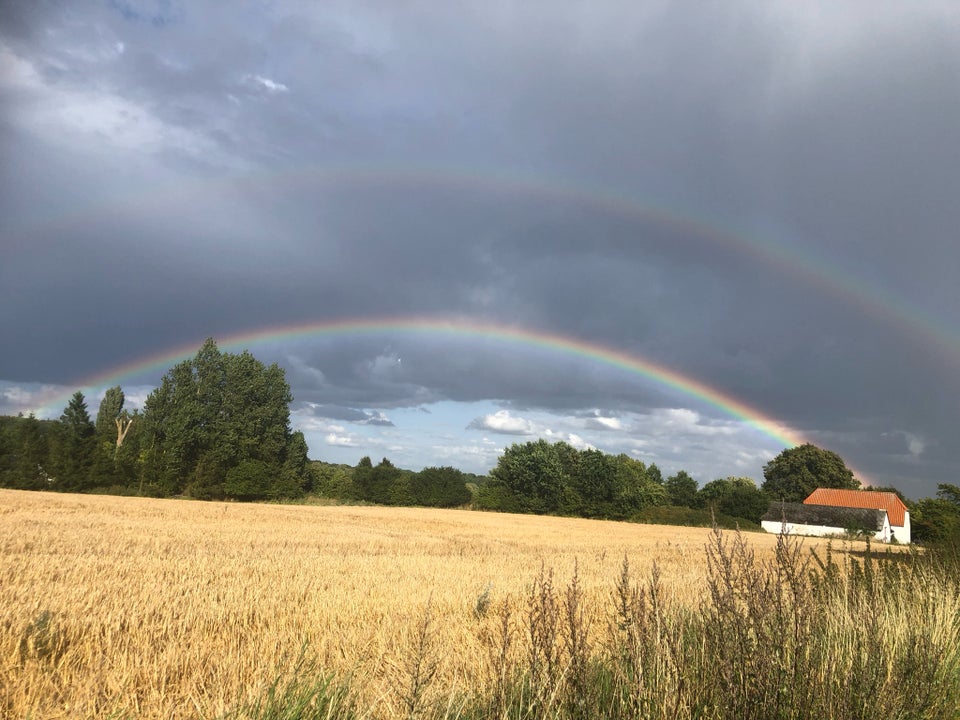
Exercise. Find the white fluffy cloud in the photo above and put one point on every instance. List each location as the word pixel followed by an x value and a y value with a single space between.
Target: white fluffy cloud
pixel 504 423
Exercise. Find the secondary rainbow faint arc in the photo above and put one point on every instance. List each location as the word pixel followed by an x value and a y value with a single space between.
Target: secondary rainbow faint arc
pixel 875 302
pixel 523 336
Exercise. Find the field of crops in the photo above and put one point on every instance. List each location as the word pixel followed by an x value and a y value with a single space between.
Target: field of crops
pixel 146 608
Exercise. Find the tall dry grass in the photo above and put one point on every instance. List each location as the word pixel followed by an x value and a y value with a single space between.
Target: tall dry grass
pixel 129 607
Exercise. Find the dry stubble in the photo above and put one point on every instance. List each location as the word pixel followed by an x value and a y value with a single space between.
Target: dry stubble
pixel 171 608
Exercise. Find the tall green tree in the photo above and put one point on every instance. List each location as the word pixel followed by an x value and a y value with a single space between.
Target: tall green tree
pixel 935 520
pixel 25 453
pixel 110 409
pixel 107 432
pixel 379 484
pixel 682 489
pixel 637 487
pixel 796 472
pixel 653 472
pixel 295 477
pixel 737 497
pixel 533 475
pixel 213 412
pixel 75 446
pixel 591 480
pixel 334 481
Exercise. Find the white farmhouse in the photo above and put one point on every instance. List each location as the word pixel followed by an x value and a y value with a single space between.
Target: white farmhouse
pixel 825 520
pixel 896 509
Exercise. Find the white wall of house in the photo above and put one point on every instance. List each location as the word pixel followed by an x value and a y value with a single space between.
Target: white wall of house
pixel 902 534
pixel 777 526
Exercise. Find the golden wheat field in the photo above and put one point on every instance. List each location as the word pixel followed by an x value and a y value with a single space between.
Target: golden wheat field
pixel 178 609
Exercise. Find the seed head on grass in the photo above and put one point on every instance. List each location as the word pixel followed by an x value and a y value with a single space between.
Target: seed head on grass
pixel 421 663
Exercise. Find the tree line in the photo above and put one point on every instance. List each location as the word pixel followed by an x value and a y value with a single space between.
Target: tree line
pixel 539 477
pixel 386 484
pixel 218 426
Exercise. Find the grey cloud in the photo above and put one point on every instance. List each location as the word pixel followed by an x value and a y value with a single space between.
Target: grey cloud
pixel 348 414
pixel 378 419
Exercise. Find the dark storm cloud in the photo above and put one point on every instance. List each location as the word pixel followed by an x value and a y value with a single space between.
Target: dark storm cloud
pixel 172 171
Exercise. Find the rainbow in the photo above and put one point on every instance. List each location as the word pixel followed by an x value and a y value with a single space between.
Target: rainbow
pixel 469 329
pixel 878 304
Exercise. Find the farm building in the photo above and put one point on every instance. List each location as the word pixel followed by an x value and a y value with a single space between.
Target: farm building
pixel 897 512
pixel 825 520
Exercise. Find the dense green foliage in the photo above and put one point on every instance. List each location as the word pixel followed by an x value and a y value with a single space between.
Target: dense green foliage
pixel 734 496
pixel 691 517
pixel 213 412
pixel 681 489
pixel 216 427
pixel 74 456
pixel 386 484
pixel 796 472
pixel 539 477
pixel 439 487
pixel 111 408
pixel 937 520
pixel 25 451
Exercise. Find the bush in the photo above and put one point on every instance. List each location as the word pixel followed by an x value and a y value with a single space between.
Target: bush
pixel 440 487
pixel 250 480
pixel 496 497
pixel 690 517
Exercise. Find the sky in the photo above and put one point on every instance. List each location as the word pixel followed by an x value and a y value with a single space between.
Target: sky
pixel 446 219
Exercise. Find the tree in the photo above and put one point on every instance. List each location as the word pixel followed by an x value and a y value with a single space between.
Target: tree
pixel 213 412
pixel 111 428
pixel 532 474
pixel 25 441
pixel 592 481
pixel 376 483
pixel 538 477
pixel 75 446
pixel 249 480
pixel 937 520
pixel 949 493
pixel 653 472
pixel 110 409
pixel 797 472
pixel 439 487
pixel 934 520
pixel 682 489
pixel 737 497
pixel 127 454
pixel 295 477
pixel 636 487
pixel 334 481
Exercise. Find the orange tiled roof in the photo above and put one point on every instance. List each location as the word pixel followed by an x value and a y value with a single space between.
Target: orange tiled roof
pixel 861 499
